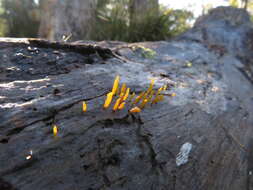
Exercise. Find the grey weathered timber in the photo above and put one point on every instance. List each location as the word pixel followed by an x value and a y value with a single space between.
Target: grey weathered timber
pixel 201 139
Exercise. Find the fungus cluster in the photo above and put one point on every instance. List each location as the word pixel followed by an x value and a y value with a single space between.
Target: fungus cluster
pixel 137 102
pixel 123 96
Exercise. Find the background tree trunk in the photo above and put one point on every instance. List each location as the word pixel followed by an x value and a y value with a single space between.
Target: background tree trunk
pixel 245 4
pixel 140 8
pixel 62 18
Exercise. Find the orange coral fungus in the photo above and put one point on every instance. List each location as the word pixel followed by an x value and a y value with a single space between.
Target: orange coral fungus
pixel 115 85
pixel 159 98
pixel 84 106
pixel 157 94
pixel 138 98
pixel 135 110
pixel 144 102
pixel 55 130
pixel 165 87
pixel 151 85
pixel 126 94
pixel 108 100
pixel 151 95
pixel 122 105
pixel 116 105
pixel 123 88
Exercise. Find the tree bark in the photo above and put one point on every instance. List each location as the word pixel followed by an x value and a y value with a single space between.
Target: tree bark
pixel 63 18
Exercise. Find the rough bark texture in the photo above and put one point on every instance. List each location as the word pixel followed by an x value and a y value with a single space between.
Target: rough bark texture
pixel 200 139
pixel 63 18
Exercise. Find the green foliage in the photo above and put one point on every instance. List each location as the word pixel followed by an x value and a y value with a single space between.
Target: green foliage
pixel 145 52
pixel 113 23
pixel 19 18
pixel 234 3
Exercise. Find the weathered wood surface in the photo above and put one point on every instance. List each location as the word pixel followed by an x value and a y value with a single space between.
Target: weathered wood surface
pixel 44 83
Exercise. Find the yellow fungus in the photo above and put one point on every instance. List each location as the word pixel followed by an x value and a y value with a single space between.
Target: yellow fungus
pixel 132 96
pixel 84 106
pixel 145 95
pixel 151 95
pixel 157 94
pixel 160 89
pixel 173 94
pixel 118 91
pixel 126 94
pixel 55 130
pixel 144 102
pixel 116 105
pixel 151 85
pixel 115 85
pixel 123 88
pixel 122 105
pixel 165 87
pixel 121 95
pixel 159 98
pixel 135 110
pixel 138 98
pixel 108 100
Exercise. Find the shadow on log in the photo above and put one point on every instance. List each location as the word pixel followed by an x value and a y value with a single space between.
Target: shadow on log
pixel 199 139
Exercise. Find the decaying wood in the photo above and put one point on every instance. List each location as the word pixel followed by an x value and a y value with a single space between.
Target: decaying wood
pixel 199 139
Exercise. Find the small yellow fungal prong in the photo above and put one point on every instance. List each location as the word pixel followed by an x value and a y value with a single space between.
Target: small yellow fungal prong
pixel 123 88
pixel 151 95
pixel 115 85
pixel 156 96
pixel 151 85
pixel 144 102
pixel 116 105
pixel 173 94
pixel 138 98
pixel 108 100
pixel 159 98
pixel 145 96
pixel 160 89
pixel 84 106
pixel 126 94
pixel 135 110
pixel 165 87
pixel 118 91
pixel 132 96
pixel 55 130
pixel 122 105
pixel 121 95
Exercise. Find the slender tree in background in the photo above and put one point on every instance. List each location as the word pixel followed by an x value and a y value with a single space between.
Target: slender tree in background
pixel 65 17
pixel 245 4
